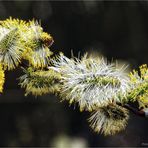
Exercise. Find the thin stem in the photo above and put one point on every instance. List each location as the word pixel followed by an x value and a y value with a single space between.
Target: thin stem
pixel 140 113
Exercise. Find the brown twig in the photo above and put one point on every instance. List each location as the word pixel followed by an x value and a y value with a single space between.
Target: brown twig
pixel 140 113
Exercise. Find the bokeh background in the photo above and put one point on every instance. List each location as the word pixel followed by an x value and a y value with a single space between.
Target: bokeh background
pixel 117 30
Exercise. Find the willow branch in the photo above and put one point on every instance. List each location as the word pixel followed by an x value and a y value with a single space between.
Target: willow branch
pixel 140 113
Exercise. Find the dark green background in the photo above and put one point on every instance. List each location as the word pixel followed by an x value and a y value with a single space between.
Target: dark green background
pixel 117 30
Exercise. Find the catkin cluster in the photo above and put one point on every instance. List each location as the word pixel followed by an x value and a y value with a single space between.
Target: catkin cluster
pixel 93 83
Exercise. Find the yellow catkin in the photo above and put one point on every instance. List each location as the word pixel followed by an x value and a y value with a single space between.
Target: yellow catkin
pixel 40 82
pixel 37 45
pixel 2 78
pixel 139 86
pixel 33 40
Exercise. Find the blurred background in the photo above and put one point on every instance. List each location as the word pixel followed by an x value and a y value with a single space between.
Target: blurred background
pixel 117 30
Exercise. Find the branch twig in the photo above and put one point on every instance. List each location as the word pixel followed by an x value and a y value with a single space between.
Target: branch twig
pixel 140 113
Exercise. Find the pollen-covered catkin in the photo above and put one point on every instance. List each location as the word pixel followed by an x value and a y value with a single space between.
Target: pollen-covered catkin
pixel 39 82
pixel 2 78
pixel 139 86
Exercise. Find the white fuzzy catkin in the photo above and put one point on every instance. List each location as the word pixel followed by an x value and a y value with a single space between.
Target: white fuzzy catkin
pixel 91 82
pixel 109 120
pixel 10 48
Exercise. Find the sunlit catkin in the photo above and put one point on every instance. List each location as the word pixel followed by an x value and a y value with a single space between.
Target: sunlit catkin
pixel 2 78
pixel 91 82
pixel 139 86
pixel 11 48
pixel 39 82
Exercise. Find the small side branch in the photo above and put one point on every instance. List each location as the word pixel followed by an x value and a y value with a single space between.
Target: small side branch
pixel 134 110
